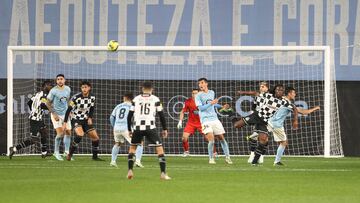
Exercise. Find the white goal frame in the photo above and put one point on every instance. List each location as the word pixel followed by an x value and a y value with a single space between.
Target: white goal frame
pixel 325 49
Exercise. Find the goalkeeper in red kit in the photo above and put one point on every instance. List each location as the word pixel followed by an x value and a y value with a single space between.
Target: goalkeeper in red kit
pixel 193 123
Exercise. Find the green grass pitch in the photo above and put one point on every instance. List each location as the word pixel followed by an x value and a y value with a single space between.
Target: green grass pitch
pixel 33 179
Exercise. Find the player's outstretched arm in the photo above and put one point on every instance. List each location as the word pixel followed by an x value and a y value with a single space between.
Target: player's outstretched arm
pixel 308 111
pixel 295 123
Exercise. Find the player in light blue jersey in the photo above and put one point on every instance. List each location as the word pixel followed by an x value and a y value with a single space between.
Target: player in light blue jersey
pixel 276 123
pixel 211 125
pixel 118 120
pixel 57 104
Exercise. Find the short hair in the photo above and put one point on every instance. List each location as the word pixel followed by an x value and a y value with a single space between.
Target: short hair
pixel 46 82
pixel 85 82
pixel 264 83
pixel 60 75
pixel 147 85
pixel 129 95
pixel 202 79
pixel 276 86
pixel 195 89
pixel 289 89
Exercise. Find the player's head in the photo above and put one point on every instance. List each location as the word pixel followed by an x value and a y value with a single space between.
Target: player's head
pixel 264 87
pixel 203 84
pixel 85 87
pixel 128 96
pixel 290 93
pixel 278 91
pixel 147 87
pixel 60 80
pixel 46 86
pixel 194 92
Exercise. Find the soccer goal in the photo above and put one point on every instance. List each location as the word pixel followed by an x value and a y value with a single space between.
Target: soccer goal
pixel 174 72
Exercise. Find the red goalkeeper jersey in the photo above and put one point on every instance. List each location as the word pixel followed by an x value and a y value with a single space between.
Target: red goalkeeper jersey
pixel 191 107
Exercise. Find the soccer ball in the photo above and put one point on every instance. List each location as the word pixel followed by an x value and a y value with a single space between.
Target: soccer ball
pixel 113 45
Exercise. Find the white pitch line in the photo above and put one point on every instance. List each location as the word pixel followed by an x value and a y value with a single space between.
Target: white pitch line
pixel 260 168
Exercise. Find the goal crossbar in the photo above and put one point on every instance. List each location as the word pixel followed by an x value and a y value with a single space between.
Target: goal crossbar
pixel 324 49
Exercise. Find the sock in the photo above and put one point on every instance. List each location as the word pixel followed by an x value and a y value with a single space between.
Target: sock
pixel 253 144
pixel 185 144
pixel 23 144
pixel 162 163
pixel 95 148
pixel 131 161
pixel 139 152
pixel 225 147
pixel 67 141
pixel 260 150
pixel 57 144
pixel 44 144
pixel 75 143
pixel 279 153
pixel 210 149
pixel 115 152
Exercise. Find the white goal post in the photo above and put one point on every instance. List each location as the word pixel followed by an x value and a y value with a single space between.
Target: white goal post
pixel 330 127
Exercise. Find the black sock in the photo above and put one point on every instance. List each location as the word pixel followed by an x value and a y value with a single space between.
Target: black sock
pixel 44 146
pixel 260 150
pixel 27 142
pixel 253 144
pixel 162 162
pixel 95 148
pixel 75 143
pixel 131 158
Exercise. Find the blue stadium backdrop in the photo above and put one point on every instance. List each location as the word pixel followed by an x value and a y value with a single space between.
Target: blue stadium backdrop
pixel 183 22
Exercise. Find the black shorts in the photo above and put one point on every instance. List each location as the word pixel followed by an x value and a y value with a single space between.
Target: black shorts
pixel 36 127
pixel 260 126
pixel 151 135
pixel 82 123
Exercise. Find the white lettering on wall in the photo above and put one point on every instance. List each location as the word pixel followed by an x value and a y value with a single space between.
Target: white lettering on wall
pixel 283 58
pixel 311 58
pixel 167 58
pixel 122 26
pixel 142 29
pixel 96 57
pixel 238 30
pixel 20 24
pixel 200 24
pixel 70 57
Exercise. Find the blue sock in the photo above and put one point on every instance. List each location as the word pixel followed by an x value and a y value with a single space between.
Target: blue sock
pixel 211 148
pixel 57 144
pixel 139 152
pixel 67 141
pixel 225 147
pixel 115 152
pixel 279 153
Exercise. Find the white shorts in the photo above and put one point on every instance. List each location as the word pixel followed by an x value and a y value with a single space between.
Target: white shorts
pixel 214 127
pixel 278 133
pixel 60 122
pixel 121 136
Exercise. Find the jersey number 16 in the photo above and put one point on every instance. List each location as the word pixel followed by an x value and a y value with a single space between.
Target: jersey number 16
pixel 145 108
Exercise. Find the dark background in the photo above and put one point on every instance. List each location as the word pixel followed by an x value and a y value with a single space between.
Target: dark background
pixel 348 101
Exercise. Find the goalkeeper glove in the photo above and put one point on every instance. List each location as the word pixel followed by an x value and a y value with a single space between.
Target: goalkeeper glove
pixel 179 125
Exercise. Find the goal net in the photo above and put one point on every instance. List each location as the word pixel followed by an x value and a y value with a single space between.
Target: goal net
pixel 174 72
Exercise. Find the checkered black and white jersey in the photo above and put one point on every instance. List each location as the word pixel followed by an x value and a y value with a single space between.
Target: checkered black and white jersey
pixel 270 104
pixel 145 107
pixel 37 100
pixel 81 106
pixel 258 102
